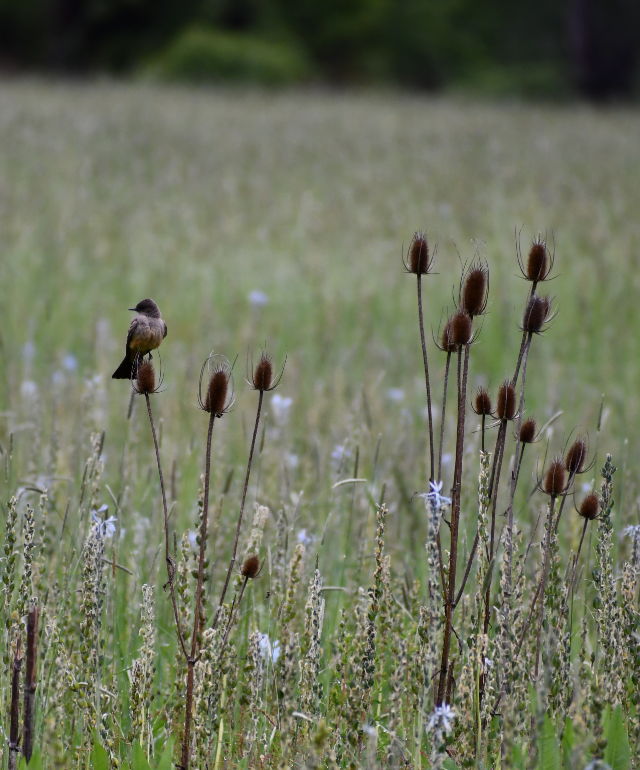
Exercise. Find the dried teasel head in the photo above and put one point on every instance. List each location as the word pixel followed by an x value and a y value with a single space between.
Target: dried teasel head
pixel 554 482
pixel 250 567
pixel 144 381
pixel 475 289
pixel 539 262
pixel 419 259
pixel 590 507
pixel 528 431
pixel 461 328
pixel 536 314
pixel 575 460
pixel 506 405
pixel 263 377
pixel 482 403
pixel 218 396
pixel 446 343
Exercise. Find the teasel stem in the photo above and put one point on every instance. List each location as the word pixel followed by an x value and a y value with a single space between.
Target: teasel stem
pixel 543 582
pixel 573 571
pixel 14 729
pixel 233 615
pixel 244 497
pixel 444 411
pixel 562 502
pixel 426 377
pixel 191 661
pixel 28 732
pixel 171 570
pixel 445 682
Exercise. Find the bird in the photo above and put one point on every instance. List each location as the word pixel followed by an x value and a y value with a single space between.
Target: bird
pixel 146 332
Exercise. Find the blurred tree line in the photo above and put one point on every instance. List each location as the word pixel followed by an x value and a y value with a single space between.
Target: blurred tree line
pixel 590 47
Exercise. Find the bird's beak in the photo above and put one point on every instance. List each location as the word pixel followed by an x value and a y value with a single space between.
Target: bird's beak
pixel 133 308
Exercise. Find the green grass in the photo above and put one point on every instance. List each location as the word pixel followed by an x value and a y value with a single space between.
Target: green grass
pixel 110 193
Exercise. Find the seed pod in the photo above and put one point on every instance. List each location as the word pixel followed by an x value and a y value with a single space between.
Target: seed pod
pixel 528 431
pixel 216 398
pixel 474 293
pixel 419 261
pixel 506 406
pixel 251 566
pixel 555 479
pixel 446 342
pixel 482 402
pixel 590 507
pixel 263 373
pixel 536 314
pixel 576 458
pixel 461 328
pixel 146 378
pixel 537 267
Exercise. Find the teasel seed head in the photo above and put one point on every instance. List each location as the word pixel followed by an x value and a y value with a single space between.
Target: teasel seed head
pixel 475 290
pixel 263 377
pixel 250 567
pixel 218 397
pixel 590 507
pixel 461 328
pixel 539 262
pixel 536 314
pixel 506 406
pixel 575 460
pixel 446 340
pixel 419 259
pixel 555 479
pixel 528 431
pixel 145 382
pixel 482 403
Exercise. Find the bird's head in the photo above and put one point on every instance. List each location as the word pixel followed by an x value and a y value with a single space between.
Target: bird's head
pixel 147 307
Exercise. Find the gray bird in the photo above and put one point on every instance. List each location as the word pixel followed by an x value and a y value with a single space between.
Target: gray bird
pixel 146 332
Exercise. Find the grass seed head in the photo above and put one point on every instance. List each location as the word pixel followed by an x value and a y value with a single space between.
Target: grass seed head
pixel 146 379
pixel 528 431
pixel 250 567
pixel 482 403
pixel 537 267
pixel 475 290
pixel 555 479
pixel 506 406
pixel 575 460
pixel 419 261
pixel 461 328
pixel 590 507
pixel 536 314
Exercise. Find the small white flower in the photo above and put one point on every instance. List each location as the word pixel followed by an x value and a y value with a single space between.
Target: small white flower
pixel 104 528
pixel 69 362
pixel 395 394
pixel 442 718
pixel 632 531
pixel 257 298
pixel 440 501
pixel 447 458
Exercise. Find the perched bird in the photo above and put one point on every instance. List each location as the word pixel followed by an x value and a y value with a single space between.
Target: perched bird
pixel 146 332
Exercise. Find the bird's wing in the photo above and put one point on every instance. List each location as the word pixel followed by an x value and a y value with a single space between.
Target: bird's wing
pixel 133 327
pixel 164 331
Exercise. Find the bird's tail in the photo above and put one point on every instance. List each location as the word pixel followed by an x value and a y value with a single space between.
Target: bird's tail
pixel 124 371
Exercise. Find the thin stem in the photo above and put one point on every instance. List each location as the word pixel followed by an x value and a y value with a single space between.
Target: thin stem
pixel 28 730
pixel 500 444
pixel 171 570
pixel 444 410
pixel 14 728
pixel 575 567
pixel 483 421
pixel 244 497
pixel 545 570
pixel 468 568
pixel 234 615
pixel 186 741
pixel 426 375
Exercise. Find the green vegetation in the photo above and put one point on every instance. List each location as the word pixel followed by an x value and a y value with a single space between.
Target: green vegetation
pixel 278 221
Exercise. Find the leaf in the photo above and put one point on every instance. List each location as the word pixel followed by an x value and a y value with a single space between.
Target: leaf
pixel 99 757
pixel 449 764
pixel 167 754
pixel 22 764
pixel 517 758
pixel 139 758
pixel 35 762
pixel 548 749
pixel 568 741
pixel 617 753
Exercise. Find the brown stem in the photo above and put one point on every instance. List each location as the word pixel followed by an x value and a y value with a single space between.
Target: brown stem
pixel 30 684
pixel 426 375
pixel 186 741
pixel 543 582
pixel 468 568
pixel 171 570
pixel 244 497
pixel 443 689
pixel 500 444
pixel 14 729
pixel 444 409
pixel 233 617
pixel 573 571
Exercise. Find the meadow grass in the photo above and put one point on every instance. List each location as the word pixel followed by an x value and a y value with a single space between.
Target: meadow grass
pixel 112 192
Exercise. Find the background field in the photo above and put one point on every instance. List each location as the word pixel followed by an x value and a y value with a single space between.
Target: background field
pixel 111 193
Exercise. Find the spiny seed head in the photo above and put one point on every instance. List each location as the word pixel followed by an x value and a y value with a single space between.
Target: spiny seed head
pixel 146 378
pixel 590 507
pixel 446 343
pixel 251 566
pixel 536 314
pixel 216 398
pixel 576 457
pixel 482 402
pixel 461 328
pixel 528 431
pixel 263 373
pixel 555 479
pixel 419 261
pixel 506 406
pixel 474 293
pixel 537 267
